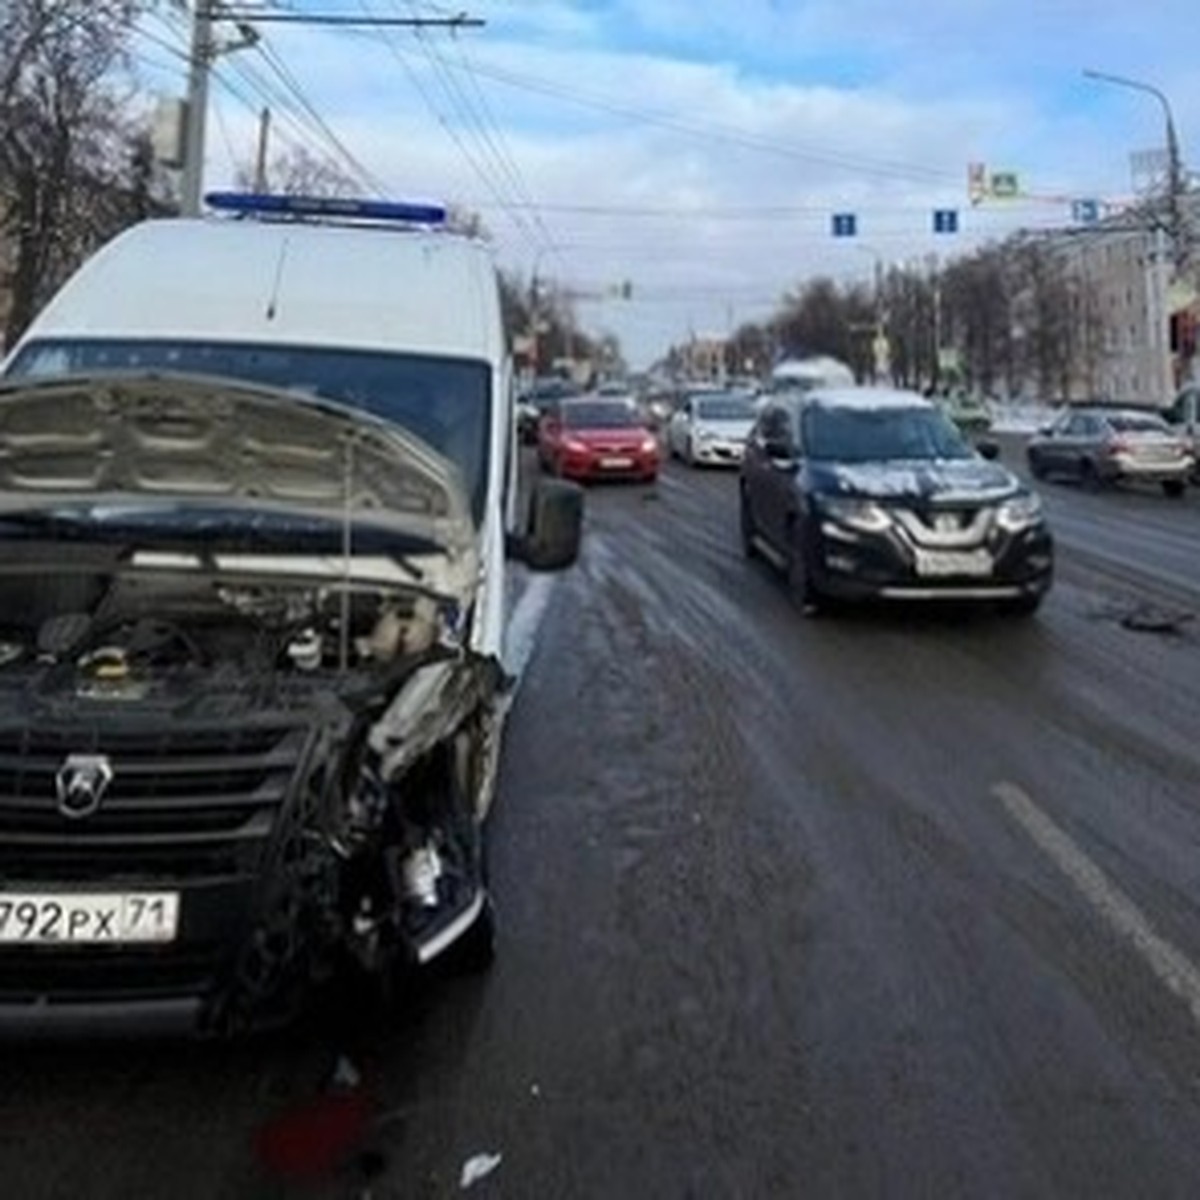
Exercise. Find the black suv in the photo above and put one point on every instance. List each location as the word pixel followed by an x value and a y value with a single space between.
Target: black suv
pixel 872 493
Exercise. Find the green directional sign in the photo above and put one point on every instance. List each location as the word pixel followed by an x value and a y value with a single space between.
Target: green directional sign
pixel 1004 185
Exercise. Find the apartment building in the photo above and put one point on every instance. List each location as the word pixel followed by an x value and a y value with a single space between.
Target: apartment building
pixel 1129 304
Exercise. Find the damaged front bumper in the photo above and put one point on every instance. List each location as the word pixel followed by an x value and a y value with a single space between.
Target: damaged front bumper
pixel 299 843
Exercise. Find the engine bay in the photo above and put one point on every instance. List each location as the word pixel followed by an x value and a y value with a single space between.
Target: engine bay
pixel 125 624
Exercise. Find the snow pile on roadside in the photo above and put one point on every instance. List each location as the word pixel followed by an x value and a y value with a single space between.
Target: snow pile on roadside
pixel 1020 417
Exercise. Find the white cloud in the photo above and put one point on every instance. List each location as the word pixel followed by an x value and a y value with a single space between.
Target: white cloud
pixel 738 133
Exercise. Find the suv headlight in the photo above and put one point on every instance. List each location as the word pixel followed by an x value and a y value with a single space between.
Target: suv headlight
pixel 1019 513
pixel 857 514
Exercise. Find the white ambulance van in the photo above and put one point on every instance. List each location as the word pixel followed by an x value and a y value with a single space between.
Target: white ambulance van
pixel 258 480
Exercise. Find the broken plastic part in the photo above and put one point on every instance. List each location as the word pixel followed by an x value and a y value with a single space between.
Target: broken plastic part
pixel 477 1168
pixel 305 651
pixel 420 871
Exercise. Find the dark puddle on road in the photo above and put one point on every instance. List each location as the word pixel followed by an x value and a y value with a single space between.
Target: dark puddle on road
pixel 1145 617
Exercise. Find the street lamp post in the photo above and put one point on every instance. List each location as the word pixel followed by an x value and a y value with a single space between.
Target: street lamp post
pixel 1174 162
pixel 880 364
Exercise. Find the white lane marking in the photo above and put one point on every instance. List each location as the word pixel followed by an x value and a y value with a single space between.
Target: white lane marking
pixel 1172 967
pixel 520 637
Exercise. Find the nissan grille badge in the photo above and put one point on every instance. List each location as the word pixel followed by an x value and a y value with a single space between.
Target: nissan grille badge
pixel 81 783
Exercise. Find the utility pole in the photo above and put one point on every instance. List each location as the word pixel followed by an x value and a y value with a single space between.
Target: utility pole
pixel 534 336
pixel 200 60
pixel 1178 213
pixel 260 162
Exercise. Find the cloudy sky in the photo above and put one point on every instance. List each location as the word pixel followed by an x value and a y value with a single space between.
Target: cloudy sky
pixel 698 149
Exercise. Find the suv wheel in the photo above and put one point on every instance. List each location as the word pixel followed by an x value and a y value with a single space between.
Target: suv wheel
pixel 803 592
pixel 746 523
pixel 1173 488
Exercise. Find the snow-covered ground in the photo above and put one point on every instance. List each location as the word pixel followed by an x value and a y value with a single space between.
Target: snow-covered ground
pixel 1020 417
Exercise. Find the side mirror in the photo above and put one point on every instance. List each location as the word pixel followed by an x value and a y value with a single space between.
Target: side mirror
pixel 988 449
pixel 1045 430
pixel 554 532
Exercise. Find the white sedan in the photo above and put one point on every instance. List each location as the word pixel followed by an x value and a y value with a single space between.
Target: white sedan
pixel 711 429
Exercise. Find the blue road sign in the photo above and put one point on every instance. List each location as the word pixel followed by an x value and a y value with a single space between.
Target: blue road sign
pixel 945 220
pixel 1085 212
pixel 845 225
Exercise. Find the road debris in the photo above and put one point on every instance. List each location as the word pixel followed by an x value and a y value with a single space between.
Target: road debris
pixel 313 1138
pixel 477 1168
pixel 1147 618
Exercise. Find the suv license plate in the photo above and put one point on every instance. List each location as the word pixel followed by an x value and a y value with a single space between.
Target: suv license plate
pixel 942 563
pixel 87 918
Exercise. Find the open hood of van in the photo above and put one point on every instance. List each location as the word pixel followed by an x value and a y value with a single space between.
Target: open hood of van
pixel 135 439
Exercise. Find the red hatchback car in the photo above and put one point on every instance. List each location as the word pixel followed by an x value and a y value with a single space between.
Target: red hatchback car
pixel 593 438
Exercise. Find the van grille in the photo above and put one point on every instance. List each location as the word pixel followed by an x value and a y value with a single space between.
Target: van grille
pixel 191 802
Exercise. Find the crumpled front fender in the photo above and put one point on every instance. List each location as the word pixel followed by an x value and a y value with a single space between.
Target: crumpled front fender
pixel 431 707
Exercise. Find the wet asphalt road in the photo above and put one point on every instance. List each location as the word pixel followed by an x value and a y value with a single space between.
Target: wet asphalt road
pixel 851 908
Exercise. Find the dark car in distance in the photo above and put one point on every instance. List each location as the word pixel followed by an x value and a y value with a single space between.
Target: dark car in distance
pixel 538 400
pixel 860 494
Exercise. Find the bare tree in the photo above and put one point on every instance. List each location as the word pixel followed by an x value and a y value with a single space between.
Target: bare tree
pixel 296 171
pixel 72 167
pixel 824 317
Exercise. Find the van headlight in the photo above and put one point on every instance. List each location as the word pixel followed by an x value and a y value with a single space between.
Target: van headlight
pixel 1019 513
pixel 856 514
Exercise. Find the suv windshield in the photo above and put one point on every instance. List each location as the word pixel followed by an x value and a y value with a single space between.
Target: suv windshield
pixel 599 415
pixel 444 402
pixel 856 435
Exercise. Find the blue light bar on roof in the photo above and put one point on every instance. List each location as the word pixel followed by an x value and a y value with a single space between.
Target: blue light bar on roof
pixel 270 204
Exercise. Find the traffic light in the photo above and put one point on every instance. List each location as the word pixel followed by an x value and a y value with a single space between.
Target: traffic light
pixel 1183 334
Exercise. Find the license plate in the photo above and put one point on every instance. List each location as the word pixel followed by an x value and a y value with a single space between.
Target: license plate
pixel 87 918
pixel 616 464
pixel 940 563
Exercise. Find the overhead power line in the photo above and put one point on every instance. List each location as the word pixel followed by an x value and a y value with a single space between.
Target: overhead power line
pixel 711 131
pixel 471 104
pixel 730 213
pixel 462 21
pixel 293 87
pixel 478 101
pixel 474 163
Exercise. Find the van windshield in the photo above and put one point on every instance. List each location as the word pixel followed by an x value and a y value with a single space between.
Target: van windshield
pixel 443 401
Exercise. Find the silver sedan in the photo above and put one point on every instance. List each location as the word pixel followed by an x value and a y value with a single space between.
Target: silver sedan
pixel 1097 445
